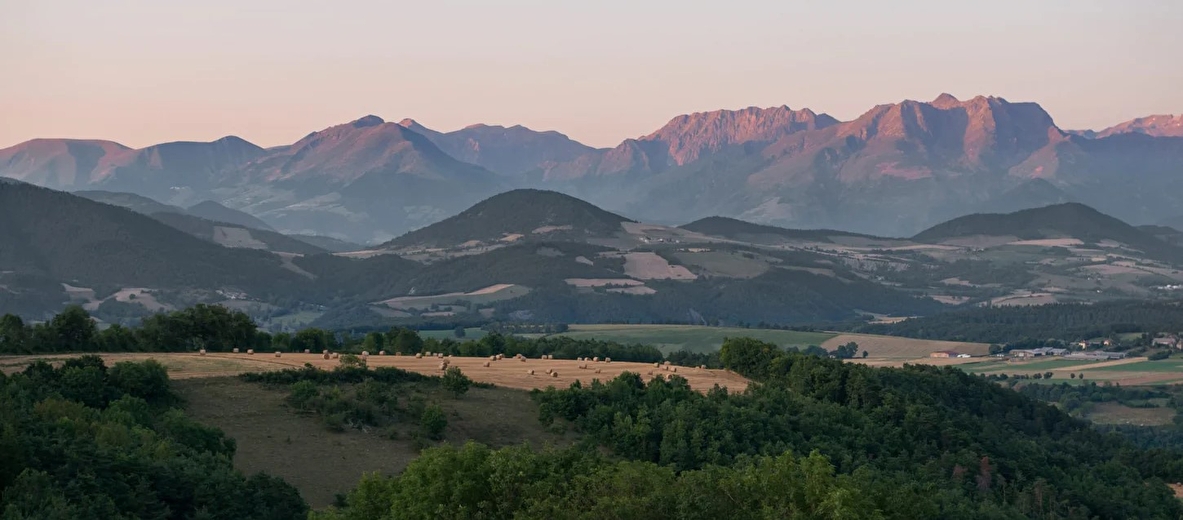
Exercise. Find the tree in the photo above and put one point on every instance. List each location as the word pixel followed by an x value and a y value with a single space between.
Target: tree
pixel 433 422
pixel 459 331
pixel 73 330
pixel 865 354
pixel 455 381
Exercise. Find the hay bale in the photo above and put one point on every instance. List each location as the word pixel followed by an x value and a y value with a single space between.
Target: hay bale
pixel 554 374
pixel 597 371
pixel 443 366
pixel 523 359
pixel 336 355
pixel 607 360
pixel 307 351
pixel 702 367
pixel 235 350
pixel 595 359
pixel 674 369
pixel 655 365
pixel 278 354
pixel 250 351
pixel 487 364
pixel 667 363
pixel 396 353
pixel 650 372
pixel 326 354
pixel 381 352
pixel 531 371
pixel 201 352
pixel 492 358
pixel 365 354
pixel 418 355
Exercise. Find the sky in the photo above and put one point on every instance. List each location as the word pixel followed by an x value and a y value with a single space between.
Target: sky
pixel 142 72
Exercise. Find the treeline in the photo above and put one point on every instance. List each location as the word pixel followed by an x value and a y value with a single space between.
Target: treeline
pixel 89 441
pixel 217 329
pixel 1034 324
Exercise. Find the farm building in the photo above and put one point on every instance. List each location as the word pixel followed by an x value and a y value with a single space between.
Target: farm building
pixel 948 354
pixel 1037 352
pixel 1167 341
pixel 1096 356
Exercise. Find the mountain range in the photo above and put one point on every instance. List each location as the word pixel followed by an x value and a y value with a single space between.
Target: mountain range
pixel 895 170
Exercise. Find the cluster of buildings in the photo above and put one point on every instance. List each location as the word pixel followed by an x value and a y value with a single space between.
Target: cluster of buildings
pixel 1096 355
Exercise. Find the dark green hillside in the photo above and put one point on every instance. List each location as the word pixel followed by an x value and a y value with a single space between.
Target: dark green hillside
pixel 211 210
pixel 1070 220
pixel 817 439
pixel 69 238
pixel 517 211
pixel 736 229
pixel 206 229
pixel 533 265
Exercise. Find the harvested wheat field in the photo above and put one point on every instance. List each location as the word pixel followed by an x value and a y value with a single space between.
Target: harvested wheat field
pixel 508 373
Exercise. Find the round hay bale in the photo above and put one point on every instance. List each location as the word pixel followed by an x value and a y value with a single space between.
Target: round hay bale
pixel 487 364
pixel 702 367
pixel 674 369
pixel 397 353
pixel 336 355
pixel 595 359
pixel 201 352
pixel 365 353
pixel 597 370
pixel 554 374
pixel 250 351
pixel 607 360
pixel 655 365
pixel 667 363
pixel 235 350
pixel 418 355
pixel 325 351
pixel 443 366
pixel 278 354
pixel 381 352
pixel 650 372
pixel 326 354
pixel 523 360
pixel 531 371
pixel 492 358
pixel 307 351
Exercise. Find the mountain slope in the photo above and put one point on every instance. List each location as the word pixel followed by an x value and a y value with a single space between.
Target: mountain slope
pixel 137 203
pixel 57 163
pixel 367 179
pixel 529 213
pixel 211 210
pixel 72 239
pixel 1163 125
pixel 1070 220
pixel 757 233
pixel 509 151
pixel 228 234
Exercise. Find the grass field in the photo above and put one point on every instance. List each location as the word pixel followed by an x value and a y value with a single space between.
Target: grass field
pixel 670 338
pixel 1114 413
pixel 274 438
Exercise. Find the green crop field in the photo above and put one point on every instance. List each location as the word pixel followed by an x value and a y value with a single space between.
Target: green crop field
pixel 1165 365
pixel 670 338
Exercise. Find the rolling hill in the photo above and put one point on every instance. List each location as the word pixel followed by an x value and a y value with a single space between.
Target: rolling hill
pixel 211 210
pixel 237 236
pixel 1071 220
pixel 761 234
pixel 524 214
pixel 60 238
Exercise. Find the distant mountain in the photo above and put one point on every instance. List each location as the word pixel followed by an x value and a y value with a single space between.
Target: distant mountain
pixel 137 203
pixel 176 172
pixel 233 235
pixel 367 179
pixel 687 138
pixel 508 151
pixel 1070 220
pixel 1035 193
pixel 1157 126
pixel 761 234
pixel 524 215
pixel 58 163
pixel 211 210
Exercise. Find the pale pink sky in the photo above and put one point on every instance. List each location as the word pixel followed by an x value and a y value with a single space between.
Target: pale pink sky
pixel 147 71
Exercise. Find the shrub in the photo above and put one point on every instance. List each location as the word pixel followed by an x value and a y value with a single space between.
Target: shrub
pixel 433 422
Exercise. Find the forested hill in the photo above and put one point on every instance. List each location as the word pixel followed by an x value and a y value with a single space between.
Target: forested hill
pixel 1071 220
pixel 70 238
pixel 748 232
pixel 1063 321
pixel 526 212
pixel 818 439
